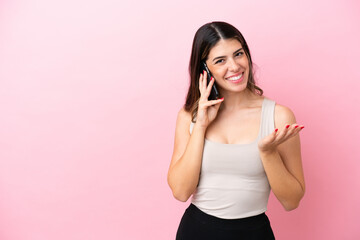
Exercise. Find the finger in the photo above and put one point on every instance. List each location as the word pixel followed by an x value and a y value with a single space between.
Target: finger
pixel 204 80
pixel 293 130
pixel 217 105
pixel 297 129
pixel 213 102
pixel 269 140
pixel 287 130
pixel 205 75
pixel 211 83
pixel 203 85
pixel 207 90
pixel 283 133
pixel 273 135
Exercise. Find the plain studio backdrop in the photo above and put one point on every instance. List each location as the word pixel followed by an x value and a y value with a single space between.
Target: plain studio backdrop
pixel 89 94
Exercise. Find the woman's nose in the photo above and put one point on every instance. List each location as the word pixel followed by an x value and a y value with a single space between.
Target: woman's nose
pixel 233 66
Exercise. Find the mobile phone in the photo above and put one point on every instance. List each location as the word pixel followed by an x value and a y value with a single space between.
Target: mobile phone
pixel 214 94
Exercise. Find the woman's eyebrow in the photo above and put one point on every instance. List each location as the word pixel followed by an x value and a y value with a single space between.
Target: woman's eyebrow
pixel 238 50
pixel 225 56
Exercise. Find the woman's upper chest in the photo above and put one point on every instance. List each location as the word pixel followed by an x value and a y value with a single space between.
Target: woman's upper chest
pixel 240 127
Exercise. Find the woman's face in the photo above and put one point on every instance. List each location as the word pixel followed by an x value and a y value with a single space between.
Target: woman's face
pixel 229 65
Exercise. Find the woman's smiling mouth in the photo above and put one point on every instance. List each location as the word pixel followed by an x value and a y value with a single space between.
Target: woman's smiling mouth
pixel 236 79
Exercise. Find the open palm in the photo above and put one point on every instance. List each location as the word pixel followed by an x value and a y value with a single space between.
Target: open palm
pixel 270 142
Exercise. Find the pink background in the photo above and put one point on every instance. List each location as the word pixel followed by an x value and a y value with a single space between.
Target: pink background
pixel 90 90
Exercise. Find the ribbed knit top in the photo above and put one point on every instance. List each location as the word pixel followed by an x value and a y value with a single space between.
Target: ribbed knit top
pixel 233 183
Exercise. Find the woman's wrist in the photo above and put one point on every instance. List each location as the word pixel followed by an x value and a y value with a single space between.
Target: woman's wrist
pixel 268 152
pixel 200 127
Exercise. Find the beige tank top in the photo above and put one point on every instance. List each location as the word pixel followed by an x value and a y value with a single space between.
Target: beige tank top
pixel 233 183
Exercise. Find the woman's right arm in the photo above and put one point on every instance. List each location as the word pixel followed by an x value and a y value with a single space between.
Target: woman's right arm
pixel 184 171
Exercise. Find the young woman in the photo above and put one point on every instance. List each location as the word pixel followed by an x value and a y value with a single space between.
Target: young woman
pixel 228 152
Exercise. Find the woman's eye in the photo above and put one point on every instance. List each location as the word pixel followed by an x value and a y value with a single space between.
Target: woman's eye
pixel 219 61
pixel 239 53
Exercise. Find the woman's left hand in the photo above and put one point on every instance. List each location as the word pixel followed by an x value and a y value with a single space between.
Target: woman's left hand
pixel 270 142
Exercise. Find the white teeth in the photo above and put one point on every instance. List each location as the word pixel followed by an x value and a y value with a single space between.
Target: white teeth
pixel 235 78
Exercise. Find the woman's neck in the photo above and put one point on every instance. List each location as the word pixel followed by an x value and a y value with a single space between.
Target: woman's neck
pixel 237 100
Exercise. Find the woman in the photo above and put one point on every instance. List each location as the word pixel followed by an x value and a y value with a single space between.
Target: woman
pixel 228 152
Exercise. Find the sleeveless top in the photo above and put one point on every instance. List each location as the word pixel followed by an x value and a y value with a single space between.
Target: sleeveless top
pixel 233 183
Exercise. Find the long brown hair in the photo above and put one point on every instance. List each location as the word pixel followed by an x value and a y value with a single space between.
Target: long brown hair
pixel 206 38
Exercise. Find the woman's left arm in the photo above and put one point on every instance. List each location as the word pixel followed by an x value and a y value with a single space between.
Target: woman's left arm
pixel 281 157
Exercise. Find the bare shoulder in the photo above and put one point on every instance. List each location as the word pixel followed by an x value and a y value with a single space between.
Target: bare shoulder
pixel 183 115
pixel 283 116
pixel 183 121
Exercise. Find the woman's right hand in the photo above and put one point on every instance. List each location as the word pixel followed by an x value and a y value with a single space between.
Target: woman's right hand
pixel 207 110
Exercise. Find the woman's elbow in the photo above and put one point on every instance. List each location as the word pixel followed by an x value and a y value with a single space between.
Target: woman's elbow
pixel 291 206
pixel 294 203
pixel 181 198
pixel 178 194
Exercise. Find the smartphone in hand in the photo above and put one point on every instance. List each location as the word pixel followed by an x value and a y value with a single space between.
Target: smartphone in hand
pixel 214 94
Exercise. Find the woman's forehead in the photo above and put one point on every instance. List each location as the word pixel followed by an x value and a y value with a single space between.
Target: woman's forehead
pixel 225 47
